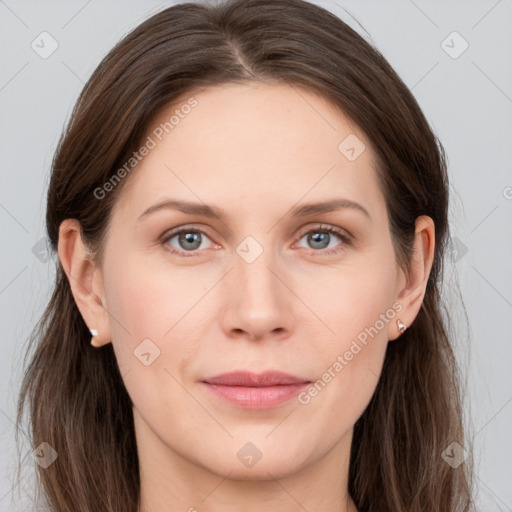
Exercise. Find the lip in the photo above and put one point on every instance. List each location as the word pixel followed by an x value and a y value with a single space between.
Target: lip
pixel 250 379
pixel 255 390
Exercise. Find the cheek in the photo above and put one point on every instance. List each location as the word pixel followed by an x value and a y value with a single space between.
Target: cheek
pixel 348 367
pixel 357 308
pixel 355 297
pixel 141 303
pixel 135 304
pixel 148 301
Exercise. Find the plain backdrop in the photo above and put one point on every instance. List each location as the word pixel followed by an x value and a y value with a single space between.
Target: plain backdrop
pixel 456 58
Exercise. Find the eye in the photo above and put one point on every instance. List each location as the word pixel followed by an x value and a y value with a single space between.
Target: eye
pixel 321 237
pixel 188 240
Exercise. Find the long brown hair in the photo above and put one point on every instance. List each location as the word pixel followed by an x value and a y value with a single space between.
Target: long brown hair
pixel 75 394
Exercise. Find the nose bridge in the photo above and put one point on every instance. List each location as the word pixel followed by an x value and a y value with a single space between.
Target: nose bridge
pixel 259 302
pixel 253 265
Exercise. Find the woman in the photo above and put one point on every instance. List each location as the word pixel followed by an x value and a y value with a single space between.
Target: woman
pixel 250 214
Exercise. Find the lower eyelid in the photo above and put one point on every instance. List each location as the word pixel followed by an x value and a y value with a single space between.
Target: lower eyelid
pixel 344 238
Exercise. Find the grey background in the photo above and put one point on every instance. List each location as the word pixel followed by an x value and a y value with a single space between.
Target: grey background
pixel 467 100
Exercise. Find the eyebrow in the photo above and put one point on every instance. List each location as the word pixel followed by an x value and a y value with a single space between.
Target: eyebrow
pixel 205 210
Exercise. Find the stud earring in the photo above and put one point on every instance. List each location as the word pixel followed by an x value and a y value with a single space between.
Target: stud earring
pixel 94 332
pixel 401 326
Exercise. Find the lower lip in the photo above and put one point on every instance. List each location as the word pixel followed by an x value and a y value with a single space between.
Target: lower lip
pixel 257 397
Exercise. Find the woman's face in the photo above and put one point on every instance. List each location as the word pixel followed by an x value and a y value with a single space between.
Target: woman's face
pixel 260 287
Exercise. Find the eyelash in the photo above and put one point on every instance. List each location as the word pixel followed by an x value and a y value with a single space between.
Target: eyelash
pixel 319 229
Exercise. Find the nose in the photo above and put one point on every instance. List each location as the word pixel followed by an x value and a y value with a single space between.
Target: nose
pixel 259 302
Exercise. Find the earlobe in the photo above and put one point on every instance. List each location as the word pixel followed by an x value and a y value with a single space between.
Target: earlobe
pixel 84 278
pixel 401 326
pixel 412 293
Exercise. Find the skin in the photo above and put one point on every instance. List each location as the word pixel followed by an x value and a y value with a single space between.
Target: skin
pixel 257 151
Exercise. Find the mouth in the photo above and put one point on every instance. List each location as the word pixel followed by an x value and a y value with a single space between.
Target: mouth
pixel 249 390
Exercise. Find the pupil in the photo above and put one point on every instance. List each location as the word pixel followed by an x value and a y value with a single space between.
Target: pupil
pixel 189 238
pixel 321 238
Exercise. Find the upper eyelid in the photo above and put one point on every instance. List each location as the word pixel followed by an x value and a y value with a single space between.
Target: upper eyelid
pixel 340 232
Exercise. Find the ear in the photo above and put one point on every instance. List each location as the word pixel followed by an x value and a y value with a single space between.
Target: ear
pixel 413 282
pixel 85 280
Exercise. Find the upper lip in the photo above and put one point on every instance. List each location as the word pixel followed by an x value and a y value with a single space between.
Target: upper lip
pixel 250 379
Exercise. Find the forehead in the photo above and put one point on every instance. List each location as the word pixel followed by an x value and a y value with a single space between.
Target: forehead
pixel 248 144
